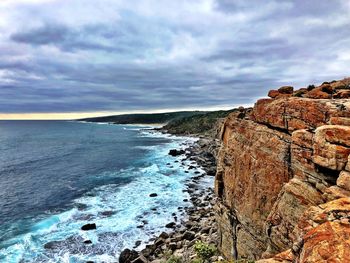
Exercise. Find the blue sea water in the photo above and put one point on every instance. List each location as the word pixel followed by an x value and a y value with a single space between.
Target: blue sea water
pixel 56 176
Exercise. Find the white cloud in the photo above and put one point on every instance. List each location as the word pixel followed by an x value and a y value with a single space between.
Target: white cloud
pixel 156 54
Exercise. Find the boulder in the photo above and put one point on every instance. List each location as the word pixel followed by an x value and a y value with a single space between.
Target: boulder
pixel 332 146
pixel 174 152
pixel 343 180
pixel 189 235
pixel 273 93
pixel 127 256
pixel 342 94
pixel 286 90
pixel 318 93
pixel 88 227
pixel 170 225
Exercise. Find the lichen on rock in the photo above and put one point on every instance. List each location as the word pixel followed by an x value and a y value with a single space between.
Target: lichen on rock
pixel 283 177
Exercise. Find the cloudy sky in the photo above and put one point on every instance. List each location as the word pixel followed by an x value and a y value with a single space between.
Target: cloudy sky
pixel 88 56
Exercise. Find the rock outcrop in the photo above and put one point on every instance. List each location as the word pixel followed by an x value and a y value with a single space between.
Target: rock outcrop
pixel 283 177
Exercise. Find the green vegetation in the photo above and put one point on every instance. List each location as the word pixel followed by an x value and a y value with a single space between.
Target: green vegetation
pixel 197 260
pixel 204 251
pixel 151 118
pixel 197 124
pixel 174 259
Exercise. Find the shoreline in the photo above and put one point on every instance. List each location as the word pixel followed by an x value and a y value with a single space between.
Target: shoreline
pixel 199 218
pixel 84 216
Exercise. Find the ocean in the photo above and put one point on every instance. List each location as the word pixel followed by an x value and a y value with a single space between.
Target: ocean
pixel 56 176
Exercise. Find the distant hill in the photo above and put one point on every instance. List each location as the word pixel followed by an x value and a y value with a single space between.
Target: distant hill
pixel 196 124
pixel 151 118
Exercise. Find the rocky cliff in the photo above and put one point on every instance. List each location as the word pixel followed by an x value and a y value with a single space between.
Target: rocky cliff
pixel 283 178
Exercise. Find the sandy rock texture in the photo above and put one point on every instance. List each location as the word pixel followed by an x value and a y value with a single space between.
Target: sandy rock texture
pixel 283 177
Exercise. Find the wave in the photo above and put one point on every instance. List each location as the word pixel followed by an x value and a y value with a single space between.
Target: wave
pixel 123 213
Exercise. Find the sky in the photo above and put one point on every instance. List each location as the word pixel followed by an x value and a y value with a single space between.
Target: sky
pixel 64 58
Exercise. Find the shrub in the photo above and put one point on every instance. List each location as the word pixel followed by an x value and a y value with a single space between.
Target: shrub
pixel 174 259
pixel 197 260
pixel 204 251
pixel 310 87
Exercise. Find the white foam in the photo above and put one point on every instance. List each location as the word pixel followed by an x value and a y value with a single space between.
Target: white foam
pixel 130 204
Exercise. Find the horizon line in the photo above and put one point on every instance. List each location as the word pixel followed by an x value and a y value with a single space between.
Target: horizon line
pixel 81 115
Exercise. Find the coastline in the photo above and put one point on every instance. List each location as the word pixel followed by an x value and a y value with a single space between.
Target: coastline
pixel 62 233
pixel 198 224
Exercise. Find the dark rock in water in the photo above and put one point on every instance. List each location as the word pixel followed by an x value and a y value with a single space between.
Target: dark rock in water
pixel 88 227
pixel 87 242
pixel 170 225
pixel 137 243
pixel 52 245
pixel 127 256
pixel 175 152
pixel 89 262
pixel 153 195
pixel 140 226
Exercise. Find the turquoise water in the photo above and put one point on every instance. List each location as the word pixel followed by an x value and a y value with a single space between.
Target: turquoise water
pixel 57 176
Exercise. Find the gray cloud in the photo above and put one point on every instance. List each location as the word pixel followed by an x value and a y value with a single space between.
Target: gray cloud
pixel 116 56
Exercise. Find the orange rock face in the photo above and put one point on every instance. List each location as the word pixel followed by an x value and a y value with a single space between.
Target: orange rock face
pixel 298 113
pixel 283 178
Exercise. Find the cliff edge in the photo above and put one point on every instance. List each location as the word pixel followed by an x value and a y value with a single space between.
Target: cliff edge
pixel 283 177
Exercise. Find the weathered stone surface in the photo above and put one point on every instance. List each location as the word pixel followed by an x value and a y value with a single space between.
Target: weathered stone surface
pixel 273 93
pixel 295 197
pixel 343 180
pixel 324 234
pixel 318 93
pixel 331 146
pixel 286 90
pixel 247 181
pixel 334 192
pixel 283 257
pixel 298 113
pixel 227 230
pixel 339 121
pixel 342 94
pixel 283 177
pixel 329 242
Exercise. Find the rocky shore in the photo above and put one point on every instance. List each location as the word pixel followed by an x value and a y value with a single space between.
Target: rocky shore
pixel 198 224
